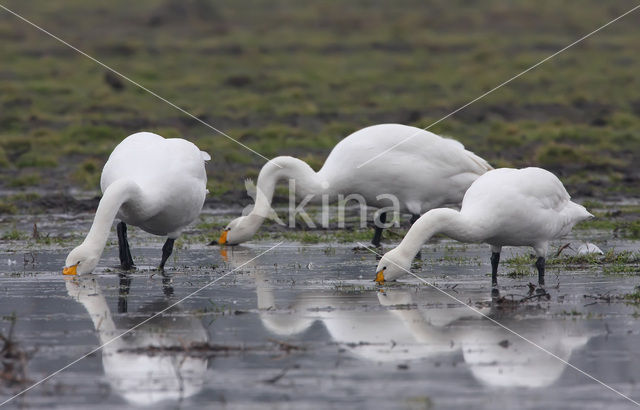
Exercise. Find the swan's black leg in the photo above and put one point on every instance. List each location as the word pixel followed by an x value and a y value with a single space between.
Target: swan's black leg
pixel 540 263
pixel 414 218
pixel 126 261
pixel 377 236
pixel 495 260
pixel 166 252
pixel 123 292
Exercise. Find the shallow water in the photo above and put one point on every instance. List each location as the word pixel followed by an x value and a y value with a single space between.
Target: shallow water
pixel 304 327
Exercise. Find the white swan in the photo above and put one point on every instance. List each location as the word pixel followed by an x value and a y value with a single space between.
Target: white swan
pixel 151 182
pixel 425 172
pixel 143 378
pixel 411 331
pixel 504 207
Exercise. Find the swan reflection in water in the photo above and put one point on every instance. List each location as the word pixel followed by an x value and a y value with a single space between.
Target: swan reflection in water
pixel 390 326
pixel 133 372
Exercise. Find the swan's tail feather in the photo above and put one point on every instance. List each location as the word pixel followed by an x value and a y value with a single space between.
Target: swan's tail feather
pixel 482 163
pixel 579 213
pixel 205 156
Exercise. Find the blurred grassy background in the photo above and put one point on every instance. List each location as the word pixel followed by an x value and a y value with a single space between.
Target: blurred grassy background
pixel 290 77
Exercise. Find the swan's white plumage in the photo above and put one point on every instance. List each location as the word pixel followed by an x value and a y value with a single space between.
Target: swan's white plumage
pixel 504 207
pixel 521 207
pixel 150 182
pixel 141 378
pixel 423 172
pixel 409 330
pixel 172 180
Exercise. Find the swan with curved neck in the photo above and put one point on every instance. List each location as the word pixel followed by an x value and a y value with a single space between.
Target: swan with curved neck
pixel 151 182
pixel 504 207
pixel 139 377
pixel 425 172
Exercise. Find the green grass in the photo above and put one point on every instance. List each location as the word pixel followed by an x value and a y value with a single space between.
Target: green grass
pixel 610 257
pixel 612 263
pixel 13 235
pixel 7 207
pixel 340 236
pixel 622 220
pixel 632 298
pixel 520 265
pixel 293 78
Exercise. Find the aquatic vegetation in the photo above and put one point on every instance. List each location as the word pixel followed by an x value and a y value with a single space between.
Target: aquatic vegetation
pixel 633 298
pixel 7 208
pixel 612 262
pixel 13 235
pixel 14 357
pixel 611 257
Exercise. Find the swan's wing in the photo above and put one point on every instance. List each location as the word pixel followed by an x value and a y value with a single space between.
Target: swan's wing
pixel 451 158
pixel 544 187
pixel 525 186
pixel 398 146
pixel 453 142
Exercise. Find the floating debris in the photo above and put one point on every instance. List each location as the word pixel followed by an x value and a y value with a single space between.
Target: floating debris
pixel 588 248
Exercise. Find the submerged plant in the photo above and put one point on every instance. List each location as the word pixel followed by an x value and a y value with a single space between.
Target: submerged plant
pixel 14 358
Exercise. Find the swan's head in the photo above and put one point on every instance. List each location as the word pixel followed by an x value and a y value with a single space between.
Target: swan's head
pixel 392 265
pixel 81 260
pixel 239 230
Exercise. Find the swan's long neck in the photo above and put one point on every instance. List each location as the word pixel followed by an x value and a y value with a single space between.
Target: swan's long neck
pixel 306 181
pixel 285 325
pixel 96 305
pixel 113 197
pixel 446 221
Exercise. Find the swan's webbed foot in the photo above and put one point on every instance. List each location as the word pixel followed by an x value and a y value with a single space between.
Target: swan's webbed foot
pixel 540 291
pixel 495 293
pixel 126 261
pixel 167 249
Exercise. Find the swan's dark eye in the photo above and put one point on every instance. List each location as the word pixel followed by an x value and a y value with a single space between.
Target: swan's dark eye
pixel 384 267
pixel 78 263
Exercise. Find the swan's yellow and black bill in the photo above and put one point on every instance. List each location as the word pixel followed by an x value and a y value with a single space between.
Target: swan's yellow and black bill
pixel 223 237
pixel 380 276
pixel 71 270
